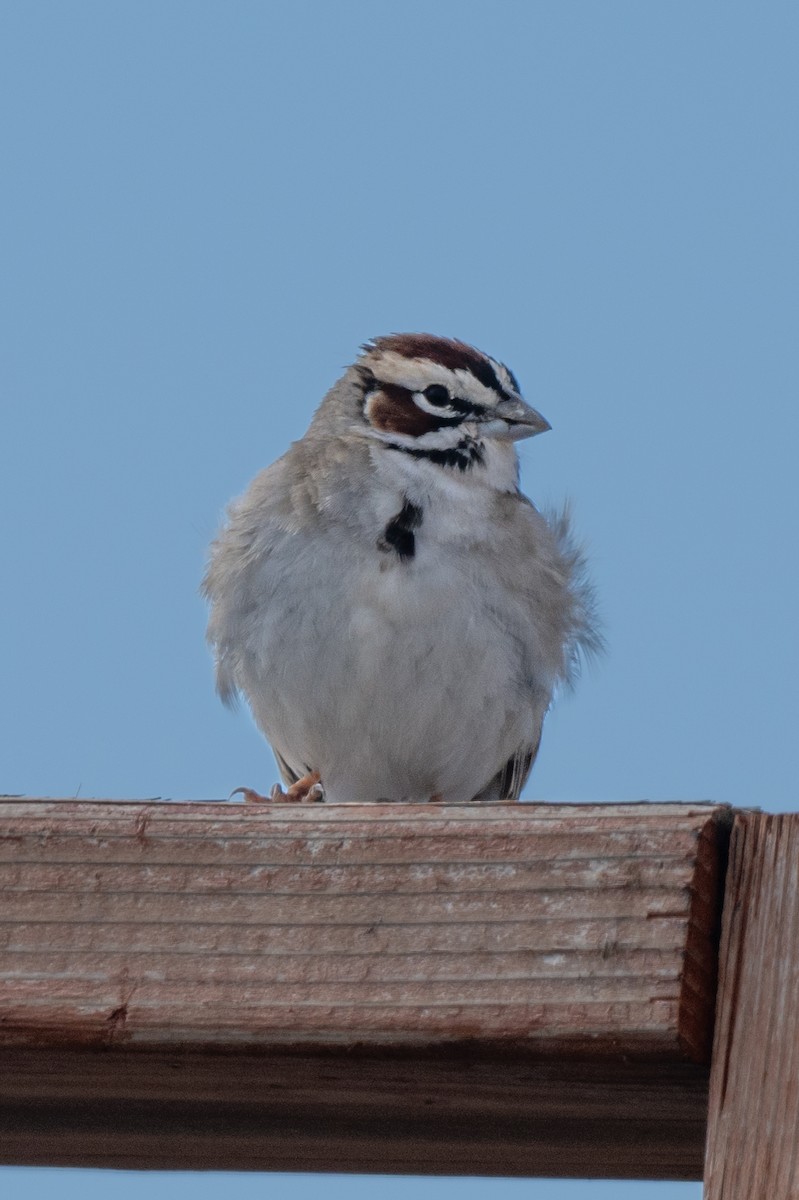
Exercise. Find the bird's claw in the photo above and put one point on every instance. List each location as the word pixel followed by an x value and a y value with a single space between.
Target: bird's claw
pixel 308 790
pixel 250 796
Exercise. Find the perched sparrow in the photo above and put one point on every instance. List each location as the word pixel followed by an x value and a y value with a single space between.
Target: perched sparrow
pixel 395 611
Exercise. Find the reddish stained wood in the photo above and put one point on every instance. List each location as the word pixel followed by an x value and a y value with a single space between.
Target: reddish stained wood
pixel 387 1113
pixel 753 1131
pixel 463 945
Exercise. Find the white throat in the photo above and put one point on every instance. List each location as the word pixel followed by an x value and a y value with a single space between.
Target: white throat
pixel 398 459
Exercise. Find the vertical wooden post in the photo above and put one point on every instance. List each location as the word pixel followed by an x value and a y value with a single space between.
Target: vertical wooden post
pixel 753 1130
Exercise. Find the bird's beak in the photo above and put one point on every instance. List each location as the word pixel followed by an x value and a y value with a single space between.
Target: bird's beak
pixel 513 420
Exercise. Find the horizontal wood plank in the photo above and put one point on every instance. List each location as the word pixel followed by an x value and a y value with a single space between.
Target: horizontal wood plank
pixel 548 968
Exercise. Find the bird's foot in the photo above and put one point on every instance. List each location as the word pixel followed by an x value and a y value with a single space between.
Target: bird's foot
pixel 308 790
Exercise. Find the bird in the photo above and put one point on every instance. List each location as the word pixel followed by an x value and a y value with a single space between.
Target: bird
pixel 396 612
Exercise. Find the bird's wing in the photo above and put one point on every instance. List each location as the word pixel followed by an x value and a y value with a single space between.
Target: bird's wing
pixel 507 784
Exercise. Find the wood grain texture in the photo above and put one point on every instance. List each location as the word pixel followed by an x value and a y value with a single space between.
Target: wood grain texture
pixel 753 1130
pixel 506 989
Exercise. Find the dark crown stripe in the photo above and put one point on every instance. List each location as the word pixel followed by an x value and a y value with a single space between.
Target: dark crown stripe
pixel 513 381
pixel 447 352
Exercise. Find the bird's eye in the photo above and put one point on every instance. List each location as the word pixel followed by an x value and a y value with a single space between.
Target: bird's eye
pixel 437 394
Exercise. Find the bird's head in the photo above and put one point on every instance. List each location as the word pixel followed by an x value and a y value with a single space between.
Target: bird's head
pixel 440 399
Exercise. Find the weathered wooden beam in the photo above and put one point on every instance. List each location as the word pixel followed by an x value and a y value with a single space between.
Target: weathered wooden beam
pixel 473 989
pixel 753 1133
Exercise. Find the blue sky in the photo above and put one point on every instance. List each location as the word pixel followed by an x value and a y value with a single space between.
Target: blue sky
pixel 207 206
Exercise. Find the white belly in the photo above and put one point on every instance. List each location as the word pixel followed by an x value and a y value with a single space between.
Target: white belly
pixel 397 681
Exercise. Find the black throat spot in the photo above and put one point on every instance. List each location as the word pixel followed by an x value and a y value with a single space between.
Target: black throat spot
pixel 398 537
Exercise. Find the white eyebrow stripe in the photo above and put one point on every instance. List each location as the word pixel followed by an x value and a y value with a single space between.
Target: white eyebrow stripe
pixel 416 374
